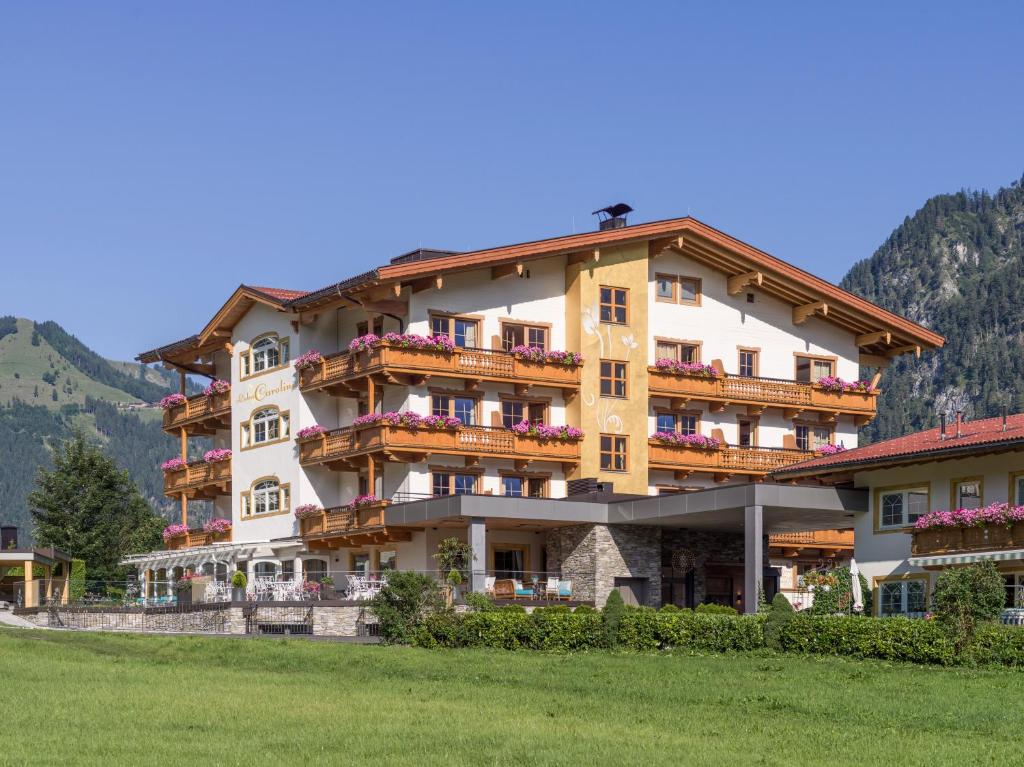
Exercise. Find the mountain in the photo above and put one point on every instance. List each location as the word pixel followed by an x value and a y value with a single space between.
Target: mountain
pixel 51 384
pixel 956 266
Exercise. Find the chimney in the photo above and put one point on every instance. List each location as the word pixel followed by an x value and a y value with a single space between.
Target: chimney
pixel 8 537
pixel 612 217
pixel 959 420
pixel 942 426
pixel 1004 417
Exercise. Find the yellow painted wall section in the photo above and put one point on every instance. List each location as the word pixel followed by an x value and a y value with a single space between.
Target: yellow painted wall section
pixel 622 267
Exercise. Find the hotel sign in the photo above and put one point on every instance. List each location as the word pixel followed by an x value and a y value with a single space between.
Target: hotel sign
pixel 262 391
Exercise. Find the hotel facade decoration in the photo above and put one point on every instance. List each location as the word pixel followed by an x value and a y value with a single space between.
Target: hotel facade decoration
pixel 657 358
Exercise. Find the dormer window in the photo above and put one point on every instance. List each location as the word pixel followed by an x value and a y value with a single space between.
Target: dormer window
pixel 264 354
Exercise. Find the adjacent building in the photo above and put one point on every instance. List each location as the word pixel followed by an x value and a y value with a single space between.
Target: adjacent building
pixel 634 361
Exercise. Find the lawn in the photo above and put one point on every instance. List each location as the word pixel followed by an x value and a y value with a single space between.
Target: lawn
pixel 75 698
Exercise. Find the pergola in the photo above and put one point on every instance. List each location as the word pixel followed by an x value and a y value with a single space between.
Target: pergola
pixel 48 560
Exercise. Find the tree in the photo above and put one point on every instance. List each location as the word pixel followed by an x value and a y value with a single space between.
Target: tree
pixel 402 603
pixel 89 508
pixel 966 595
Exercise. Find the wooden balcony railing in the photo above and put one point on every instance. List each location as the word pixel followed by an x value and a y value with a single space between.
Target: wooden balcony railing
pixel 201 414
pixel 954 540
pixel 197 537
pixel 765 392
pixel 400 443
pixel 343 520
pixel 813 539
pixel 342 373
pixel 199 480
pixel 725 460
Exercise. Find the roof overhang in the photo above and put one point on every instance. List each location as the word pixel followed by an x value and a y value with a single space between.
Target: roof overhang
pixel 46 557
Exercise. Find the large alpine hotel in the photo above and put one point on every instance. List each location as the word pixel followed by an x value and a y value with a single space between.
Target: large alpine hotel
pixel 603 408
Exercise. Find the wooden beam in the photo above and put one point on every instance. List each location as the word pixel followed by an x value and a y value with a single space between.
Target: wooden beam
pixel 906 350
pixel 867 339
pixel 737 282
pixel 397 289
pixel 426 283
pixel 680 476
pixel 678 403
pixel 873 361
pixel 400 308
pixel 506 270
pixel 802 312
pixel 790 413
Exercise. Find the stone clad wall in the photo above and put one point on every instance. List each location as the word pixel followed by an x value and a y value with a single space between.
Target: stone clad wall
pixel 707 547
pixel 593 556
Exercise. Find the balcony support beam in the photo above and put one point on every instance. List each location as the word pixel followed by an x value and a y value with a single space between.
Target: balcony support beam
pixel 478 545
pixel 879 336
pixel 753 556
pixel 507 270
pixel 737 282
pixel 916 350
pixel 804 311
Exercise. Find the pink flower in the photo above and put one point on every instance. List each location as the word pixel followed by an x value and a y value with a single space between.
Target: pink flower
pixel 676 367
pixel 217 525
pixel 217 386
pixel 687 440
pixel 216 455
pixel 409 420
pixel 837 384
pixel 308 360
pixel 363 500
pixel 535 354
pixel 403 341
pixel 173 464
pixel 310 431
pixel 546 433
pixel 831 449
pixel 307 510
pixel 993 514
pixel 174 531
pixel 173 400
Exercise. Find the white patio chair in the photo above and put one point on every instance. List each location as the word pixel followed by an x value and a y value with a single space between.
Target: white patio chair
pixel 489 585
pixel 551 588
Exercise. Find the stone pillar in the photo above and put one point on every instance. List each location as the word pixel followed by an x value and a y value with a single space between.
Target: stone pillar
pixel 753 556
pixel 478 543
pixel 297 570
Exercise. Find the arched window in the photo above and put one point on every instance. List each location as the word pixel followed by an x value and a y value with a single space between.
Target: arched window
pixel 267 496
pixel 265 353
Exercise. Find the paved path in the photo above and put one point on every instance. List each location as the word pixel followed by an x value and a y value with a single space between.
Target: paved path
pixel 10 619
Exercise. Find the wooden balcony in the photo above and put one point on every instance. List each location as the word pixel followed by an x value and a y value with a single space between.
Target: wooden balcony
pixel 197 537
pixel 955 540
pixel 339 448
pixel 345 373
pixel 820 542
pixel 724 462
pixel 793 397
pixel 350 526
pixel 199 480
pixel 201 414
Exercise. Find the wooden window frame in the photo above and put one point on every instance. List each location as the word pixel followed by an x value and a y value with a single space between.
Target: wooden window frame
pixel 285 434
pixel 677 289
pixel 284 499
pixel 477 319
pixel 526 326
pixel 451 471
pixel 602 378
pixel 813 425
pixel 756 351
pixel 1012 489
pixel 755 430
pixel 613 453
pixel 831 359
pixel 673 280
pixel 245 357
pixel 612 305
pixel 526 476
pixel 523 547
pixel 954 490
pixel 678 414
pixel 876 511
pixel 526 402
pixel 679 342
pixel 476 396
pixel 879 580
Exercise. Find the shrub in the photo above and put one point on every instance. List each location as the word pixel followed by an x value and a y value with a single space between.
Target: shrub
pixel 715 609
pixel 839 596
pixel 965 596
pixel 711 633
pixel 903 639
pixel 582 609
pixel 77 585
pixel 613 611
pixel 639 630
pixel 401 604
pixel 479 602
pixel 779 614
pixel 238 580
pixel 670 608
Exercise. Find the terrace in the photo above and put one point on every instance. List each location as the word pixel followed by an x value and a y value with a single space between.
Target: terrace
pixel 199 480
pixel 724 461
pixel 201 414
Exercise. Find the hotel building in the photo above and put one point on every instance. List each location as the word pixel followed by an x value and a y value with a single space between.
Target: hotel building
pixel 468 394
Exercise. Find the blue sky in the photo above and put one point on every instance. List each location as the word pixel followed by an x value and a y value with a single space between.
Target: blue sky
pixel 155 155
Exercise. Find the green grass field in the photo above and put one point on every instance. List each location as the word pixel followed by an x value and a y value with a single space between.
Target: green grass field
pixel 69 698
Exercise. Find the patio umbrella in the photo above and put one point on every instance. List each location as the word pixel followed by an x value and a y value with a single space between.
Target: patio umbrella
pixel 858 597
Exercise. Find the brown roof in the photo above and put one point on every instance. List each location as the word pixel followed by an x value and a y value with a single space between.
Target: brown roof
pixel 984 436
pixel 280 293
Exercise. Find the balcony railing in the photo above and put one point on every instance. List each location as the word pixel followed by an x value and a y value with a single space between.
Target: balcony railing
pixel 400 443
pixel 954 540
pixel 341 372
pixel 201 414
pixel 343 520
pixel 813 539
pixel 723 460
pixel 199 479
pixel 766 392
pixel 197 537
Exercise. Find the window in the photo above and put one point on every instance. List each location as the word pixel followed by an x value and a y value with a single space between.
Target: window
pixel 810 369
pixel 614 450
pixel 534 336
pixel 463 408
pixel 673 289
pixel 903 597
pixel 266 353
pixel 509 561
pixel 360 564
pixel 453 483
pixel 747 432
pixel 614 305
pixel 684 423
pixel 461 330
pixel 519 486
pixel 1017 488
pixel 666 423
pixel 265 426
pixel 966 493
pixel 680 351
pixel 810 437
pixel 748 362
pixel 898 508
pixel 363 328
pixel 267 496
pixel 389 560
pixel 613 378
pixel 314 570
pixel 265 570
pixel 517 411
pixel 1014 590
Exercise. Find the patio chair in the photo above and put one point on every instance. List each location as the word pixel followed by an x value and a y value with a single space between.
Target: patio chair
pixel 551 588
pixel 521 591
pixel 489 585
pixel 565 589
pixel 504 589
